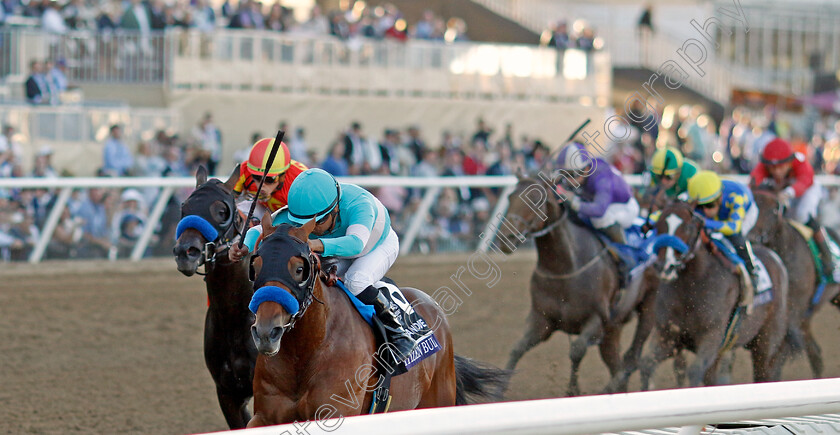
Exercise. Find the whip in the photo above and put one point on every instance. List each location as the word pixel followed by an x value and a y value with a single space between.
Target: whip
pixel 268 163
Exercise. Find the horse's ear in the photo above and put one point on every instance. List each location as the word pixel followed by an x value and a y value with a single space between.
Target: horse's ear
pixel 200 175
pixel 267 227
pixel 234 177
pixel 302 232
pixel 520 173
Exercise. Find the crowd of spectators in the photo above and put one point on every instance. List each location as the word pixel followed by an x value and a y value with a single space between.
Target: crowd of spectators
pixel 358 19
pixel 581 36
pixel 102 223
pixel 46 82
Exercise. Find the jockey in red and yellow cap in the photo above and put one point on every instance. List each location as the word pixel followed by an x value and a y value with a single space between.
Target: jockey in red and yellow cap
pixel 275 189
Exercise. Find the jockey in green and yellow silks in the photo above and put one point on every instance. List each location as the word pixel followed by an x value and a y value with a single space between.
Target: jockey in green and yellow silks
pixel 671 171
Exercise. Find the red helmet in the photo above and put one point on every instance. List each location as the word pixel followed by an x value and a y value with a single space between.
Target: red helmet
pixel 259 156
pixel 777 152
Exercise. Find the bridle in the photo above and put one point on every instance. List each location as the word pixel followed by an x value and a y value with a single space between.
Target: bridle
pixel 200 221
pixel 701 238
pixel 279 250
pixel 530 225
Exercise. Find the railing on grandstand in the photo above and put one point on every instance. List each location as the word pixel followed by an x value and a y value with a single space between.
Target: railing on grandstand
pixel 278 62
pixel 412 235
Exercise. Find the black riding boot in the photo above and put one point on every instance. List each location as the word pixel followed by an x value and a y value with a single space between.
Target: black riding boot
pixel 820 238
pixel 744 250
pixel 616 234
pixel 396 334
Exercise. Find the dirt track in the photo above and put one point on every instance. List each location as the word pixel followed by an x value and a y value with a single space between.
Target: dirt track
pixel 117 347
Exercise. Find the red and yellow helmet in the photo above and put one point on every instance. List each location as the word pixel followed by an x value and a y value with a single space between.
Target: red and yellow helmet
pixel 777 152
pixel 259 156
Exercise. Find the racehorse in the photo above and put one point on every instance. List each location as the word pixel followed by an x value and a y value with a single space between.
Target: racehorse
pixel 210 222
pixel 574 287
pixel 697 300
pixel 778 234
pixel 326 365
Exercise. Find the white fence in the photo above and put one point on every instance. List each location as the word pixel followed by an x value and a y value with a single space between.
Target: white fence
pixel 432 186
pixel 690 408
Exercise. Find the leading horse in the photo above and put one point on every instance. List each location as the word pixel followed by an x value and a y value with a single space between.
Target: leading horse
pixel 574 287
pixel 210 222
pixel 699 297
pixel 329 365
pixel 778 234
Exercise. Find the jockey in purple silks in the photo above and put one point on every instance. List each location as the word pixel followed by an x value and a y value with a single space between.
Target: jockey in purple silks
pixel 597 192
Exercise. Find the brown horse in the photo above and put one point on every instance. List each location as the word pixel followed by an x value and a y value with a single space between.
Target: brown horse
pixel 210 222
pixel 698 296
pixel 776 232
pixel 325 368
pixel 574 287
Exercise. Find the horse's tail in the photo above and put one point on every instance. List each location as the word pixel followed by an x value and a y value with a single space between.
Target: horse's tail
pixel 479 381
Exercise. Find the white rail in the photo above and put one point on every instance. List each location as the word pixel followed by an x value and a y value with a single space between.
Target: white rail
pixel 690 408
pixel 168 186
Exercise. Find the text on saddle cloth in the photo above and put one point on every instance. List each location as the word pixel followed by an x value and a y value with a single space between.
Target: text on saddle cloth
pixel 427 343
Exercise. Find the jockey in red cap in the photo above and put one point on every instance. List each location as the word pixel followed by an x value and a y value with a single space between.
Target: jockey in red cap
pixel 275 189
pixel 792 176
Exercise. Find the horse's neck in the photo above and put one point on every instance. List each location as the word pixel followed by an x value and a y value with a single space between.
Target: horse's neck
pixel 228 286
pixel 699 269
pixel 561 249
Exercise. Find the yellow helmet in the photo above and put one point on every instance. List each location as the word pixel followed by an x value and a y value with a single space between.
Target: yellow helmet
pixel 705 187
pixel 666 161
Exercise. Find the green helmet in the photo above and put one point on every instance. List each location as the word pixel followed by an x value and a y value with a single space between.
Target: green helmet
pixel 666 161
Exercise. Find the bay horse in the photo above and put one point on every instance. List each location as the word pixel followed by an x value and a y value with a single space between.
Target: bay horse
pixel 574 287
pixel 698 295
pixel 778 234
pixel 326 367
pixel 210 222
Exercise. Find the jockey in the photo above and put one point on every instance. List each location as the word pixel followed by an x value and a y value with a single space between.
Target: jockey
pixel 671 171
pixel 729 209
pixel 351 225
pixel 605 199
pixel 792 175
pixel 275 189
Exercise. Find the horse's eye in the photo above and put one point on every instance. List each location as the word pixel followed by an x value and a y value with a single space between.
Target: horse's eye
pixel 300 270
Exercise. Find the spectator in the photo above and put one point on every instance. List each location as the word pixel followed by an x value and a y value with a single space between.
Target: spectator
pixel 95 242
pixel 317 23
pixel 208 140
pixel 43 163
pixel 128 222
pixel 9 144
pixel 175 165
pixel 335 163
pixel 482 133
pixel 274 20
pixel 297 147
pixel 55 94
pixel 646 20
pixel 37 90
pixel 66 237
pixel 427 167
pixel 560 36
pixel 117 158
pixel 58 77
pixel 24 230
pixel 137 18
pixel 424 29
pixel 416 145
pixel 203 16
pixel 51 19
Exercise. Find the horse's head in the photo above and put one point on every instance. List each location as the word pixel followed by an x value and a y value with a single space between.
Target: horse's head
pixel 286 273
pixel 771 213
pixel 209 220
pixel 530 207
pixel 680 229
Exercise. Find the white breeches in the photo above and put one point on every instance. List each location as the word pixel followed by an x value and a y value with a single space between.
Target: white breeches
pixel 805 207
pixel 621 213
pixel 363 271
pixel 749 219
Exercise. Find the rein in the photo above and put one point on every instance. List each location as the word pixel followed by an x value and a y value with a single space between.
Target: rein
pixel 226 240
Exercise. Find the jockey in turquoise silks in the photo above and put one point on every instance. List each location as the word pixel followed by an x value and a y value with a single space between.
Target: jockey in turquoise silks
pixel 352 226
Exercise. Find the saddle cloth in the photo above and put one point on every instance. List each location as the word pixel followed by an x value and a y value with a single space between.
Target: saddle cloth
pixel 764 286
pixel 808 234
pixel 410 319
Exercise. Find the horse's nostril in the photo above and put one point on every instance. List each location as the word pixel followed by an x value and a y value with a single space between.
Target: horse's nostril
pixel 193 252
pixel 254 333
pixel 276 332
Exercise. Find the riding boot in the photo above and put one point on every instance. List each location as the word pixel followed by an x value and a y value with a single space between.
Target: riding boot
pixel 396 334
pixel 616 234
pixel 821 240
pixel 744 251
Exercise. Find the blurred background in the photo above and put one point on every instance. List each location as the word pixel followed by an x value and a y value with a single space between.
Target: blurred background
pixel 109 88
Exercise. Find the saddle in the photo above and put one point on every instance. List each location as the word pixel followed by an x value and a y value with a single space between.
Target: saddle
pixel 762 288
pixel 808 234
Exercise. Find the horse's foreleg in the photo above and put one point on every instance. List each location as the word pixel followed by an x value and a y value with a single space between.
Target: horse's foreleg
pixel 812 349
pixel 591 332
pixel 680 368
pixel 700 369
pixel 645 322
pixel 610 349
pixel 235 409
pixel 725 365
pixel 536 331
pixel 660 349
pixel 257 421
